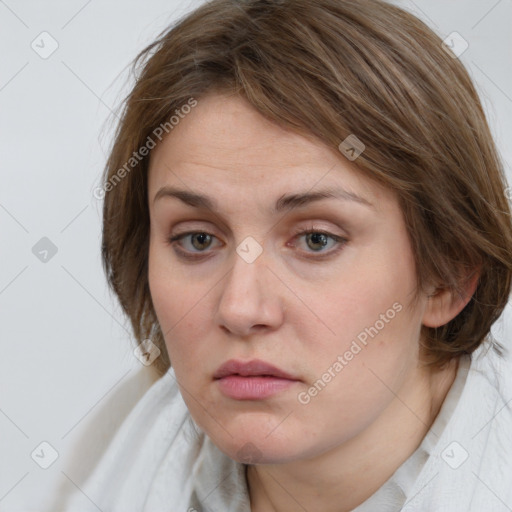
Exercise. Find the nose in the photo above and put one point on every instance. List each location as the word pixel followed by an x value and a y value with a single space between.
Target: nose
pixel 249 301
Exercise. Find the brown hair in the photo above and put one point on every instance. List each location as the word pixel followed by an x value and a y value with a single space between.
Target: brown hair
pixel 328 69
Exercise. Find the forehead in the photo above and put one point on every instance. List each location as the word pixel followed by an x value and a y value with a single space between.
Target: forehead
pixel 224 145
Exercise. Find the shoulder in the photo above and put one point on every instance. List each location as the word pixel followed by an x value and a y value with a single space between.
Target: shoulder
pixel 158 426
pixel 470 468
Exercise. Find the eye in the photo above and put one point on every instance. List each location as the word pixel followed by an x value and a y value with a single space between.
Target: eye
pixel 317 240
pixel 200 240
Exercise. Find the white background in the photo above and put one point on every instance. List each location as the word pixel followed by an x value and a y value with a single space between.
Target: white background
pixel 68 375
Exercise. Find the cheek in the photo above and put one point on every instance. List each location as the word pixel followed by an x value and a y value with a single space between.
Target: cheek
pixel 182 318
pixel 371 301
pixel 373 327
pixel 173 302
pixel 353 376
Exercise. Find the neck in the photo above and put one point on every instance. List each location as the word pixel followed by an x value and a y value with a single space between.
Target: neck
pixel 341 479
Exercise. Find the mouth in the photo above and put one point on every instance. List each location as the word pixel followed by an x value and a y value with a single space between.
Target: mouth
pixel 253 387
pixel 253 380
pixel 253 368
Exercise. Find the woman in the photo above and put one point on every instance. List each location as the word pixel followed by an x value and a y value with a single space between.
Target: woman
pixel 305 219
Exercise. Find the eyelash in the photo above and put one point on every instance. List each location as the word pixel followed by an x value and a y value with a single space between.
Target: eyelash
pixel 340 243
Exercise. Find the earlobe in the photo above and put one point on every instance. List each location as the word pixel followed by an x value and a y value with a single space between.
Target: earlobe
pixel 444 304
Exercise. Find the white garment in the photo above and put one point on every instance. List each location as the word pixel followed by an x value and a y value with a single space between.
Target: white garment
pixel 160 461
pixel 393 494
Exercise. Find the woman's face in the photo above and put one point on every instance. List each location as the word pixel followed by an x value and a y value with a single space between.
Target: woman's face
pixel 333 311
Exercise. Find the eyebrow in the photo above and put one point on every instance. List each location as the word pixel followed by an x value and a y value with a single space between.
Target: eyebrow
pixel 285 203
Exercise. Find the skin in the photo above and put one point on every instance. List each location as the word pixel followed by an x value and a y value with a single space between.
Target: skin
pixel 292 308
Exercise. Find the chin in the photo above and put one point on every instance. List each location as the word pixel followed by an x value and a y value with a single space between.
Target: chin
pixel 257 448
pixel 251 453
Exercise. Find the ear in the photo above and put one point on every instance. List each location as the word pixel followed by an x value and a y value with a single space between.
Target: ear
pixel 444 304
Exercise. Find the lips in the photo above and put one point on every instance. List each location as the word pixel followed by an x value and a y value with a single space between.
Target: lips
pixel 253 368
pixel 252 380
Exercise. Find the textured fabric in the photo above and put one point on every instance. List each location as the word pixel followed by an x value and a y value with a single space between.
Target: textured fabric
pixel 160 461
